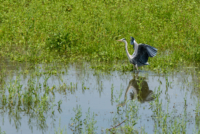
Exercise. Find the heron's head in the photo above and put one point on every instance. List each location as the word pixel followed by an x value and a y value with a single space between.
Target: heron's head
pixel 123 39
pixel 132 40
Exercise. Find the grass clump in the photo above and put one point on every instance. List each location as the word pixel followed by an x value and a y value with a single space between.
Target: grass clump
pixel 59 43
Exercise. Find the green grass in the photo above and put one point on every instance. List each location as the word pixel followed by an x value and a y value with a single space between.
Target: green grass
pixel 48 30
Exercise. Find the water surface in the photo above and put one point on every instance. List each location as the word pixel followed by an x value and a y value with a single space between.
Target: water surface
pixel 51 95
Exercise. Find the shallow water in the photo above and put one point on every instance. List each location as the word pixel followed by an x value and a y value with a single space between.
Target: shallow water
pixel 106 95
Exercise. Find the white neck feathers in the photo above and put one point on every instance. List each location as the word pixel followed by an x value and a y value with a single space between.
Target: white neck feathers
pixel 126 47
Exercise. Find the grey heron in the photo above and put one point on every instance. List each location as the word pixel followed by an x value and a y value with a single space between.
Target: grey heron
pixel 141 53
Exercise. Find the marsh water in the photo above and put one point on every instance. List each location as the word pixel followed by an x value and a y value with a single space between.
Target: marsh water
pixel 69 98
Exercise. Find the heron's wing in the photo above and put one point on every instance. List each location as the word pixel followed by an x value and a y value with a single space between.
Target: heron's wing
pixel 142 54
pixel 132 42
pixel 151 51
pixel 150 96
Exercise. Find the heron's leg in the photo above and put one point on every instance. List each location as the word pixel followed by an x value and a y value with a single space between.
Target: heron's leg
pixel 136 67
pixel 133 67
pixel 137 75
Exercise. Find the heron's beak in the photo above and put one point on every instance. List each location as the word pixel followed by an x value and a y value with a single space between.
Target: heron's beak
pixel 119 40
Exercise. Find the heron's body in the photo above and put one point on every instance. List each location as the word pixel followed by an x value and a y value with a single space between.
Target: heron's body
pixel 141 53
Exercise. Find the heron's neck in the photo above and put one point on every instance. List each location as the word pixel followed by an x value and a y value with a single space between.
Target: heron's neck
pixel 135 47
pixel 134 91
pixel 126 47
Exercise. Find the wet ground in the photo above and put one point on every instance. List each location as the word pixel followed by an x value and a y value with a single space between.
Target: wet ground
pixel 49 98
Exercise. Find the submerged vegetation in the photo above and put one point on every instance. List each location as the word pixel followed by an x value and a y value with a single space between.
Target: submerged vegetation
pixel 46 93
pixel 46 30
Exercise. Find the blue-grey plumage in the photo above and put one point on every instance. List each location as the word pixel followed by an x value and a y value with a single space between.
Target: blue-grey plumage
pixel 141 54
pixel 132 42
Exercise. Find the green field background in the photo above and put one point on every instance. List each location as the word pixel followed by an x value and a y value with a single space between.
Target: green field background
pixel 84 30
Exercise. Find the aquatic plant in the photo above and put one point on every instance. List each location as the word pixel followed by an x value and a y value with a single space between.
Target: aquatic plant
pixel 79 125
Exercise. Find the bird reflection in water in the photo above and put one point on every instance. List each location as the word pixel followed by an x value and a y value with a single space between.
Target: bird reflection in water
pixel 138 89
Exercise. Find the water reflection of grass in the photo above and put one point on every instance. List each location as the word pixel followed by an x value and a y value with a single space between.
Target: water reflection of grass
pixel 30 94
pixel 17 98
